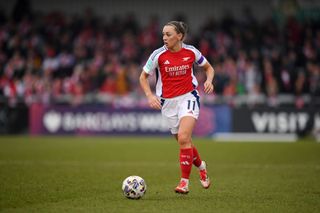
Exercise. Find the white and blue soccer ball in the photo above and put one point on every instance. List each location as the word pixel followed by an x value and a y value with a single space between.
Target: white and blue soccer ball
pixel 134 187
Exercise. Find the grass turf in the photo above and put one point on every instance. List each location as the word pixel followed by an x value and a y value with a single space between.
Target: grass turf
pixel 84 174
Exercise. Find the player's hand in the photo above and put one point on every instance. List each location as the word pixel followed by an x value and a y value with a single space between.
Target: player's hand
pixel 208 87
pixel 154 102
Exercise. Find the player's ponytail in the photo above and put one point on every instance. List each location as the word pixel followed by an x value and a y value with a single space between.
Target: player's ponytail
pixel 180 27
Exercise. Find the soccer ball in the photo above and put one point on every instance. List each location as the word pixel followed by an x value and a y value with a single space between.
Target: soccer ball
pixel 134 187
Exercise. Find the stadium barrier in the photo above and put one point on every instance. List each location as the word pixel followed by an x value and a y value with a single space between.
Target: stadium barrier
pixel 102 120
pixel 14 120
pixel 262 123
pixel 221 122
pixel 275 120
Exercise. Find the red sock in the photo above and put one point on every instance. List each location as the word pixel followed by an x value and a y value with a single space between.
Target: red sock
pixel 186 158
pixel 196 157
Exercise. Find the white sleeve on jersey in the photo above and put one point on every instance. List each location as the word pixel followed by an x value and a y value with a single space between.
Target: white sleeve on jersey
pixel 152 62
pixel 150 66
pixel 199 58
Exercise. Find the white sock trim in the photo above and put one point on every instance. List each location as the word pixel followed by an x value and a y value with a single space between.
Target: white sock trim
pixel 202 165
pixel 186 180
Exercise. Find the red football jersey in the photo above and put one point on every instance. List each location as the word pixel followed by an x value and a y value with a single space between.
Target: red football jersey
pixel 174 70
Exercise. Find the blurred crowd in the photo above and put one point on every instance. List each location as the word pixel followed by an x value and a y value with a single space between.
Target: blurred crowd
pixel 55 57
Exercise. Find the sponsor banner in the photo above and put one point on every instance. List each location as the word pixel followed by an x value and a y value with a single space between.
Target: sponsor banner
pixel 213 119
pixel 88 120
pixel 275 120
pixel 97 120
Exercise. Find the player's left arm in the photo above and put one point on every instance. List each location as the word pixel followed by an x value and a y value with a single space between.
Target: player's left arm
pixel 208 84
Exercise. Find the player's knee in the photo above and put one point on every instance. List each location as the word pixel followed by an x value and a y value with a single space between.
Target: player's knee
pixel 184 139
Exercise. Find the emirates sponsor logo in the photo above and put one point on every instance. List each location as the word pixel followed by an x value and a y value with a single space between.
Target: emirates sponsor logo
pixel 177 68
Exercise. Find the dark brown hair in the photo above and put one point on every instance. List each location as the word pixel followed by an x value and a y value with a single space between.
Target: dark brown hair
pixel 180 27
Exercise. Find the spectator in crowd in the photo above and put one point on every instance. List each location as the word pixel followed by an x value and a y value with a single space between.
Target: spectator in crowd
pixel 48 57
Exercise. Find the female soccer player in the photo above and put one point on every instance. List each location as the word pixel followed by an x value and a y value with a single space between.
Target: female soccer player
pixel 176 95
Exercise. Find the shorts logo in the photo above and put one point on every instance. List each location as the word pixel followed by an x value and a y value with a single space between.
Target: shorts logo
pixel 166 62
pixel 190 112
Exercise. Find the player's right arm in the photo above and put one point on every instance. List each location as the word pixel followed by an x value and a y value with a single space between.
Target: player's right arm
pixel 153 101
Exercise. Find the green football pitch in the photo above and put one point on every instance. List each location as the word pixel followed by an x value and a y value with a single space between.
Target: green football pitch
pixel 85 174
